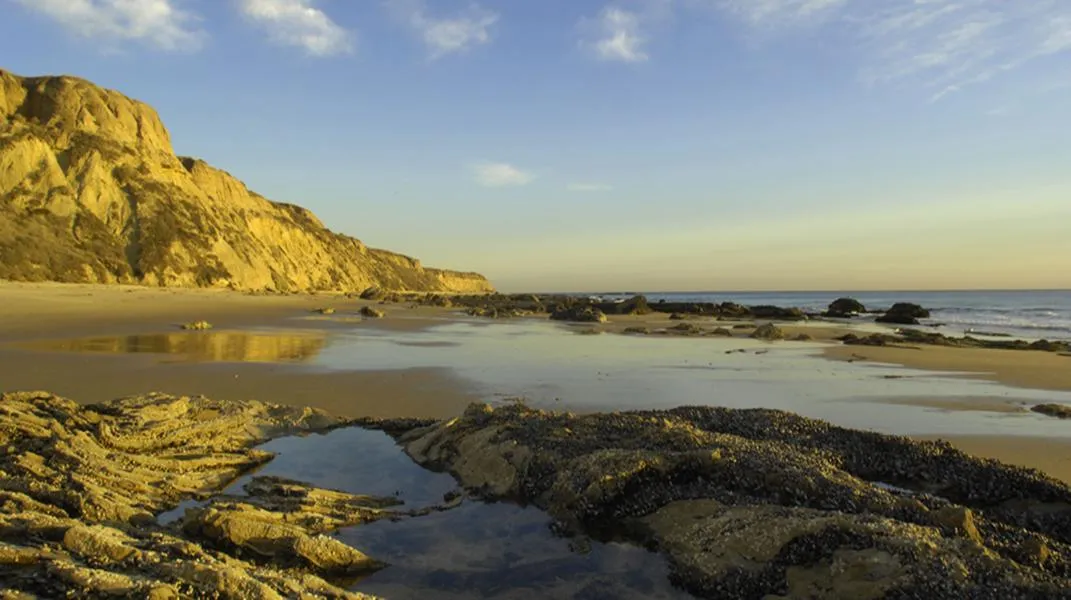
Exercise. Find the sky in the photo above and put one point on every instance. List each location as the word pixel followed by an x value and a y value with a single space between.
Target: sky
pixel 598 145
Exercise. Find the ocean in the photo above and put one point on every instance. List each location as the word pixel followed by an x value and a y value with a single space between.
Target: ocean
pixel 1026 314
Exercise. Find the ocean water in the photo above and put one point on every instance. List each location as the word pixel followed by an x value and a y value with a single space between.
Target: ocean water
pixel 1023 314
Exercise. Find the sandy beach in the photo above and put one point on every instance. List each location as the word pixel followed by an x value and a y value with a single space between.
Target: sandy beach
pixel 59 311
pixel 39 314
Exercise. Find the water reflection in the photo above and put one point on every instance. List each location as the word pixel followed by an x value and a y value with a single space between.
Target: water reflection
pixel 476 551
pixel 208 346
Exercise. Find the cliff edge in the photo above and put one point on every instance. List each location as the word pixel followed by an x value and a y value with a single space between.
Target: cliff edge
pixel 92 191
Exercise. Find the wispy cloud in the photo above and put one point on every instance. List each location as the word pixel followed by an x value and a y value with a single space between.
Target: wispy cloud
pixel 446 35
pixel 589 187
pixel 492 174
pixel 153 22
pixel 777 12
pixel 941 46
pixel 617 35
pixel 299 23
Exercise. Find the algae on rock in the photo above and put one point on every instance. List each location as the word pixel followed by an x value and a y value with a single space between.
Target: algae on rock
pixel 766 504
pixel 80 485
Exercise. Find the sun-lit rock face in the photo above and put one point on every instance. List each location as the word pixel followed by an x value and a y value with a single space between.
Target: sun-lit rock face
pixel 91 191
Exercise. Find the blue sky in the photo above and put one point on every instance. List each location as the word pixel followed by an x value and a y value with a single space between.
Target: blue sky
pixel 593 144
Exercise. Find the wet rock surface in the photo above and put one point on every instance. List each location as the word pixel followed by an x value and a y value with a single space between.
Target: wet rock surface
pixel 766 504
pixel 80 485
pixel 579 314
pixel 1060 411
pixel 915 336
pixel 845 308
pixel 904 313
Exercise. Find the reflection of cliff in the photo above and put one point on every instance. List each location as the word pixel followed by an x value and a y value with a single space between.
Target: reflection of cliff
pixel 216 346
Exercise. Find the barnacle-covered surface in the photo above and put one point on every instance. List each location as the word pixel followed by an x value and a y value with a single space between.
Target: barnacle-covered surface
pixel 767 504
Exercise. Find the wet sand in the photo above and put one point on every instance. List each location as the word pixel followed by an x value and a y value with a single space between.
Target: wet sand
pixel 1018 368
pixel 426 393
pixel 58 311
pixel 33 312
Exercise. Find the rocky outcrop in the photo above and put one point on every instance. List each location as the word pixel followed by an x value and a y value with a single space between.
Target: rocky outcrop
pixel 765 504
pixel 768 332
pixel 904 313
pixel 91 191
pixel 80 487
pixel 286 521
pixel 579 314
pixel 844 308
pixel 1060 411
pixel 914 336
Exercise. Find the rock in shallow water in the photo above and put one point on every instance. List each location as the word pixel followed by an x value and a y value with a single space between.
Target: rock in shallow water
pixel 761 503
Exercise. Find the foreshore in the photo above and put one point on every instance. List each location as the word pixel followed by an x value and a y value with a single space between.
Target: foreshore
pixel 49 311
pixel 803 491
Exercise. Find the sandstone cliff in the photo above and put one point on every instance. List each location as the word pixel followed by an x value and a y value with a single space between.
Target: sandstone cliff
pixel 91 191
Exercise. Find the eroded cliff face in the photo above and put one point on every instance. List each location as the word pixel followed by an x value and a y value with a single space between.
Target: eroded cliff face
pixel 91 191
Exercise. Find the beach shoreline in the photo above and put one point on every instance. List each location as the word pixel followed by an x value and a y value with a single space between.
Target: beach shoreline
pixel 49 311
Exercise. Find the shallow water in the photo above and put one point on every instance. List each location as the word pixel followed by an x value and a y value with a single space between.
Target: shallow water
pixel 477 550
pixel 550 366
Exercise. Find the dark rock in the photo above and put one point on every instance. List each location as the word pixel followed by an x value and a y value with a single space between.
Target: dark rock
pixel 904 313
pixel 371 313
pixel 637 305
pixel 803 337
pixel 732 310
pixel 1060 411
pixel 637 330
pixel 777 312
pixel 579 314
pixel 845 308
pixel 1047 346
pixel 876 339
pixel 722 332
pixel 766 504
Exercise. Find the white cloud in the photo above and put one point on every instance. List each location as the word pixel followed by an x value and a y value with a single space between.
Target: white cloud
pixel 618 35
pixel 446 35
pixel 941 46
pixel 767 12
pixel 154 22
pixel 299 23
pixel 490 174
pixel 589 187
